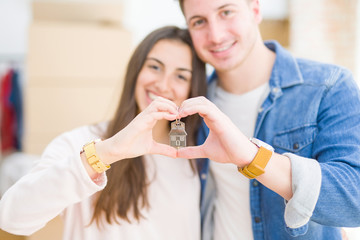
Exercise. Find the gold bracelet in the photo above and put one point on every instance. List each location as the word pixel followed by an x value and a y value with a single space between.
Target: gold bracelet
pixel 93 159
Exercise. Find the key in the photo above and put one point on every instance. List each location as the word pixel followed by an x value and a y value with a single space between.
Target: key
pixel 177 134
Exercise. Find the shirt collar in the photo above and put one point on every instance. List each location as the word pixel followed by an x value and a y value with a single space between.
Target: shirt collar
pixel 285 72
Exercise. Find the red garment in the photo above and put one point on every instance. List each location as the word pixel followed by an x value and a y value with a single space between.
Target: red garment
pixel 8 115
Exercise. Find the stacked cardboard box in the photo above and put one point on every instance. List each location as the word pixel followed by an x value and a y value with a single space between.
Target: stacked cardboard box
pixel 77 54
pixel 277 29
pixel 76 60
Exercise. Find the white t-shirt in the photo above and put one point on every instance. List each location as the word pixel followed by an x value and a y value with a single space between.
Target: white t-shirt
pixel 59 184
pixel 232 217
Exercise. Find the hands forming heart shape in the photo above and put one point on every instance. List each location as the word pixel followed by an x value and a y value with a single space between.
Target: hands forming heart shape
pixel 225 142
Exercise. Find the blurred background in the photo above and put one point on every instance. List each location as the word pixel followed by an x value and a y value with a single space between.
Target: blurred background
pixel 62 63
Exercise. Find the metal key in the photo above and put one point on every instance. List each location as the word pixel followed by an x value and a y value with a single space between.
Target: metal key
pixel 177 134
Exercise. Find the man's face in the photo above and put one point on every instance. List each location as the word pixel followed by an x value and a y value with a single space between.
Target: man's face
pixel 224 32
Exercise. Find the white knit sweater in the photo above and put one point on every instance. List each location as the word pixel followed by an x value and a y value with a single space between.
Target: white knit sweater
pixel 59 184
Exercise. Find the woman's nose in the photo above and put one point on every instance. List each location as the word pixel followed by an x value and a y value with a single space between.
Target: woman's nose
pixel 163 83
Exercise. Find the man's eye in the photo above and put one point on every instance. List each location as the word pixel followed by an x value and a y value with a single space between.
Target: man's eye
pixel 198 22
pixel 226 12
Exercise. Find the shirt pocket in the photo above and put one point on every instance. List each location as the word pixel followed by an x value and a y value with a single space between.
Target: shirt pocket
pixel 295 140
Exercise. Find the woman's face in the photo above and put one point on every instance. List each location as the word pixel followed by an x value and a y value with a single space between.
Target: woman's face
pixel 167 72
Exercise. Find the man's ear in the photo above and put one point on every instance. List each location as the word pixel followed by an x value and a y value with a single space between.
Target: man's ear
pixel 255 8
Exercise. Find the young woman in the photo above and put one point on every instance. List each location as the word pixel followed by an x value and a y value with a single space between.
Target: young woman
pixel 129 185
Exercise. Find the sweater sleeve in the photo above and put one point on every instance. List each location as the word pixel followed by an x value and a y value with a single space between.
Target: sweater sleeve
pixel 57 181
pixel 306 182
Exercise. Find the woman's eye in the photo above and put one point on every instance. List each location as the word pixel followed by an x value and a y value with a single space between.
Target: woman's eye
pixel 182 77
pixel 153 67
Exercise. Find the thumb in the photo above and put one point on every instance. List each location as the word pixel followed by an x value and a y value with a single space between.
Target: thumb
pixel 163 149
pixel 191 152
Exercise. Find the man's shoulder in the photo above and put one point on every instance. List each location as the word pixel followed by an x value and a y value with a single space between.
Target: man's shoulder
pixel 317 66
pixel 294 70
pixel 320 72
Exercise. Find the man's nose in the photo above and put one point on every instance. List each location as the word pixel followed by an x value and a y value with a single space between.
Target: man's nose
pixel 215 32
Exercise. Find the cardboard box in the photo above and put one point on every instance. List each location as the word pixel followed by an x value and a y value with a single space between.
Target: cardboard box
pixel 36 142
pixel 78 11
pixel 68 107
pixel 51 111
pixel 73 54
pixel 77 56
pixel 52 231
pixel 276 30
pixel 75 75
pixel 7 236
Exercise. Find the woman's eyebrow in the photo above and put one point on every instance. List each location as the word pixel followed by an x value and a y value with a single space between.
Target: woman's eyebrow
pixel 185 69
pixel 160 62
pixel 156 60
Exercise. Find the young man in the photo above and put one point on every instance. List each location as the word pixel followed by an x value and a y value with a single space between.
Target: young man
pixel 307 111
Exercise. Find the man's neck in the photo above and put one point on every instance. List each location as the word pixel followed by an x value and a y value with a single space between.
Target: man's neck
pixel 252 73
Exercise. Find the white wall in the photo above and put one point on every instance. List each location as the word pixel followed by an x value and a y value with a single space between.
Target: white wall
pixel 274 9
pixel 151 15
pixel 15 16
pixel 155 13
pixel 140 17
pixel 14 19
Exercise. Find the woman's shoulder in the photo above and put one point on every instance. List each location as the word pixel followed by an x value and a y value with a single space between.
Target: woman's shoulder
pixel 74 139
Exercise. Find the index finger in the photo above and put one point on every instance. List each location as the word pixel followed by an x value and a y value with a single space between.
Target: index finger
pixel 197 105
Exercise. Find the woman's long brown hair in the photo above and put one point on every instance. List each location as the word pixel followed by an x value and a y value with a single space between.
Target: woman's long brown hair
pixel 126 191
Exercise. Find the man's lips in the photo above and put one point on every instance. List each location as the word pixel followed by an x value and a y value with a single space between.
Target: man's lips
pixel 222 49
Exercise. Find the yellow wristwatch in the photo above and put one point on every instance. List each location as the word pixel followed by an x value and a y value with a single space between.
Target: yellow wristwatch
pixel 93 159
pixel 261 159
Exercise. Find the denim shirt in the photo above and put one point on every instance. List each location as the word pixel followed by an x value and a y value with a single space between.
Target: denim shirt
pixel 312 114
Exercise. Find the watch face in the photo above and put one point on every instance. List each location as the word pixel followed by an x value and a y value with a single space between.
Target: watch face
pixel 260 143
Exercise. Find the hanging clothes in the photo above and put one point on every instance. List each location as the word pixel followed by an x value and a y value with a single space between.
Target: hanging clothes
pixel 16 101
pixel 11 112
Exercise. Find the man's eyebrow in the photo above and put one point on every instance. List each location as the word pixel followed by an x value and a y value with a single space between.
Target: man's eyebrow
pixel 193 17
pixel 226 5
pixel 219 8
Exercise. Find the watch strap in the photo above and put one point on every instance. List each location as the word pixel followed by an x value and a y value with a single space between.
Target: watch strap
pixel 258 164
pixel 93 159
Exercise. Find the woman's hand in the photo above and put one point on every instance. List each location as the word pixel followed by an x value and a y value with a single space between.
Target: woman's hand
pixel 136 139
pixel 225 142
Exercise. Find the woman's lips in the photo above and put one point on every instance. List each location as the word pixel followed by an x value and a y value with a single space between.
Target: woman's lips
pixel 152 96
